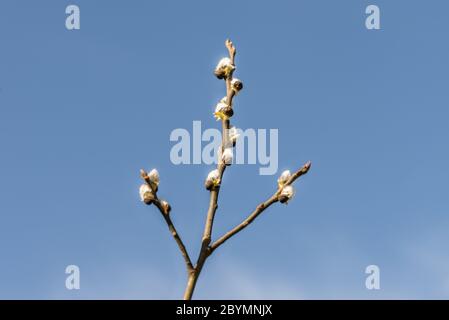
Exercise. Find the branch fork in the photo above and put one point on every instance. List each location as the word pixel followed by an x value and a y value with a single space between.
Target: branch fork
pixel 225 70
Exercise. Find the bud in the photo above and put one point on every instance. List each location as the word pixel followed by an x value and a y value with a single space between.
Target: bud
pixel 154 177
pixel 146 194
pixel 165 206
pixel 143 174
pixel 286 194
pixel 223 110
pixel 233 135
pixel 283 178
pixel 236 85
pixel 227 156
pixel 224 68
pixel 213 179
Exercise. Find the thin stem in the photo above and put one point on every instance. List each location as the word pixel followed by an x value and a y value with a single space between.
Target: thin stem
pixel 213 205
pixel 175 235
pixel 165 211
pixel 191 284
pixel 193 276
pixel 213 202
pixel 259 209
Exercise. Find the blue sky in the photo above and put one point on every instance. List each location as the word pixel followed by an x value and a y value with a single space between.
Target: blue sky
pixel 82 111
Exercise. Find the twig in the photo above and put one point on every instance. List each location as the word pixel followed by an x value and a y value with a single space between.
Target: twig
pixel 165 211
pixel 213 202
pixel 259 209
pixel 176 236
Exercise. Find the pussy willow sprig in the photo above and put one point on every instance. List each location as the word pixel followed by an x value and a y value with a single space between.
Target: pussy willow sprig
pixel 224 111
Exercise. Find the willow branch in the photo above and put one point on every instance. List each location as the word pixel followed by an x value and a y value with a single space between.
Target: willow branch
pixel 164 209
pixel 214 192
pixel 259 209
pixel 176 236
pixel 213 202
